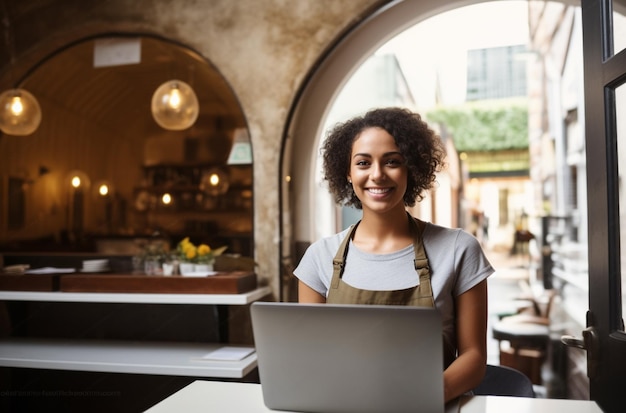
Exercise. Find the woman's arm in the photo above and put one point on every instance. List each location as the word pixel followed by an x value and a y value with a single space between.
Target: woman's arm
pixel 467 371
pixel 308 295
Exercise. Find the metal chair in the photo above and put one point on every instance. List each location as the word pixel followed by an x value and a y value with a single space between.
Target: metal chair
pixel 504 381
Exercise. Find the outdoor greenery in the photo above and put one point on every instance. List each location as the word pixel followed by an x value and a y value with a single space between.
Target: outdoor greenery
pixel 477 127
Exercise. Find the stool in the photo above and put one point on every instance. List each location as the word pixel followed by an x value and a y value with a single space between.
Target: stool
pixel 529 343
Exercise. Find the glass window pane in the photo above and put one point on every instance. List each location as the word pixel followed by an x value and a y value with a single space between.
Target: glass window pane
pixel 619 25
pixel 620 108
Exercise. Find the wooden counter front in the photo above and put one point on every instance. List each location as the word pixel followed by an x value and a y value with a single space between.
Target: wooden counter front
pixel 29 282
pixel 221 283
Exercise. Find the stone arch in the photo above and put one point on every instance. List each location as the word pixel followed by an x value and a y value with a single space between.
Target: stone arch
pixel 310 110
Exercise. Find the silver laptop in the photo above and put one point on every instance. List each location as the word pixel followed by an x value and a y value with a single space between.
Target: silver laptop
pixel 349 358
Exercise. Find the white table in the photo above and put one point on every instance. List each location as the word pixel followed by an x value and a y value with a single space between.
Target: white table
pixel 117 356
pixel 137 298
pixel 215 396
pixel 139 357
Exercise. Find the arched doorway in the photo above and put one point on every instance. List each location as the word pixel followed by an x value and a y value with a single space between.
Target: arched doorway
pixel 312 108
pixel 298 223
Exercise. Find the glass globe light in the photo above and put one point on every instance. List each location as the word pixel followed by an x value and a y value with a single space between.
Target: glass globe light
pixel 20 114
pixel 175 105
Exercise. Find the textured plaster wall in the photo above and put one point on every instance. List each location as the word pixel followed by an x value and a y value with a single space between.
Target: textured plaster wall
pixel 264 49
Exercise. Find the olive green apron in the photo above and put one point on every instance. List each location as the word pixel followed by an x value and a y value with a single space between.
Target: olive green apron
pixel 418 296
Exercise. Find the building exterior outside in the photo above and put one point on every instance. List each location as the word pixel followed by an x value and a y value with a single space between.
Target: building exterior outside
pixel 496 183
pixel 496 73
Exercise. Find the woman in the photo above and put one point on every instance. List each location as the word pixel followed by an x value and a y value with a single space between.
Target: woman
pixel 383 162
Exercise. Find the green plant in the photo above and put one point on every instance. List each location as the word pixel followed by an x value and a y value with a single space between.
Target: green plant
pixel 154 250
pixel 485 127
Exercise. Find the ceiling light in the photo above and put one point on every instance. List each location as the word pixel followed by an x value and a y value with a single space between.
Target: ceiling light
pixel 175 105
pixel 20 113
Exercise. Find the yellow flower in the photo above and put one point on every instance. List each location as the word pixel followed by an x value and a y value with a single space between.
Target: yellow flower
pixel 203 249
pixel 190 252
pixel 200 254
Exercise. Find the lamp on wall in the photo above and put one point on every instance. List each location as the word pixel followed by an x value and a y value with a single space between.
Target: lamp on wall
pixel 105 195
pixel 79 183
pixel 175 105
pixel 20 114
pixel 215 182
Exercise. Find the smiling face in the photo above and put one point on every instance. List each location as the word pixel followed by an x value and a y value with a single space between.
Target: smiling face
pixel 378 171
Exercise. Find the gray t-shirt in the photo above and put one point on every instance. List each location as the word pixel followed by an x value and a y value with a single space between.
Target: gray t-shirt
pixel 456 260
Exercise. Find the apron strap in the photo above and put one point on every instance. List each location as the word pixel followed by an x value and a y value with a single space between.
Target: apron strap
pixel 340 258
pixel 420 261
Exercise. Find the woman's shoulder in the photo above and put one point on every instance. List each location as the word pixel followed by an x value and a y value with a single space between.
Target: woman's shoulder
pixel 436 232
pixel 440 230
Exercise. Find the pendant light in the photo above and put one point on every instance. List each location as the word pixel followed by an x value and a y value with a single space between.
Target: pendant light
pixel 20 114
pixel 175 105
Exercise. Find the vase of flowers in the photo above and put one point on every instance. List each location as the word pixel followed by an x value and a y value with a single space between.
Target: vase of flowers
pixel 196 258
pixel 186 268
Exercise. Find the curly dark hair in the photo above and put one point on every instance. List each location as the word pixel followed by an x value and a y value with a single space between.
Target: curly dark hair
pixel 419 144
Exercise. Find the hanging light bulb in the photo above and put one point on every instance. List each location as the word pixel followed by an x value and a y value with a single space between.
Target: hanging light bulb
pixel 175 105
pixel 20 113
